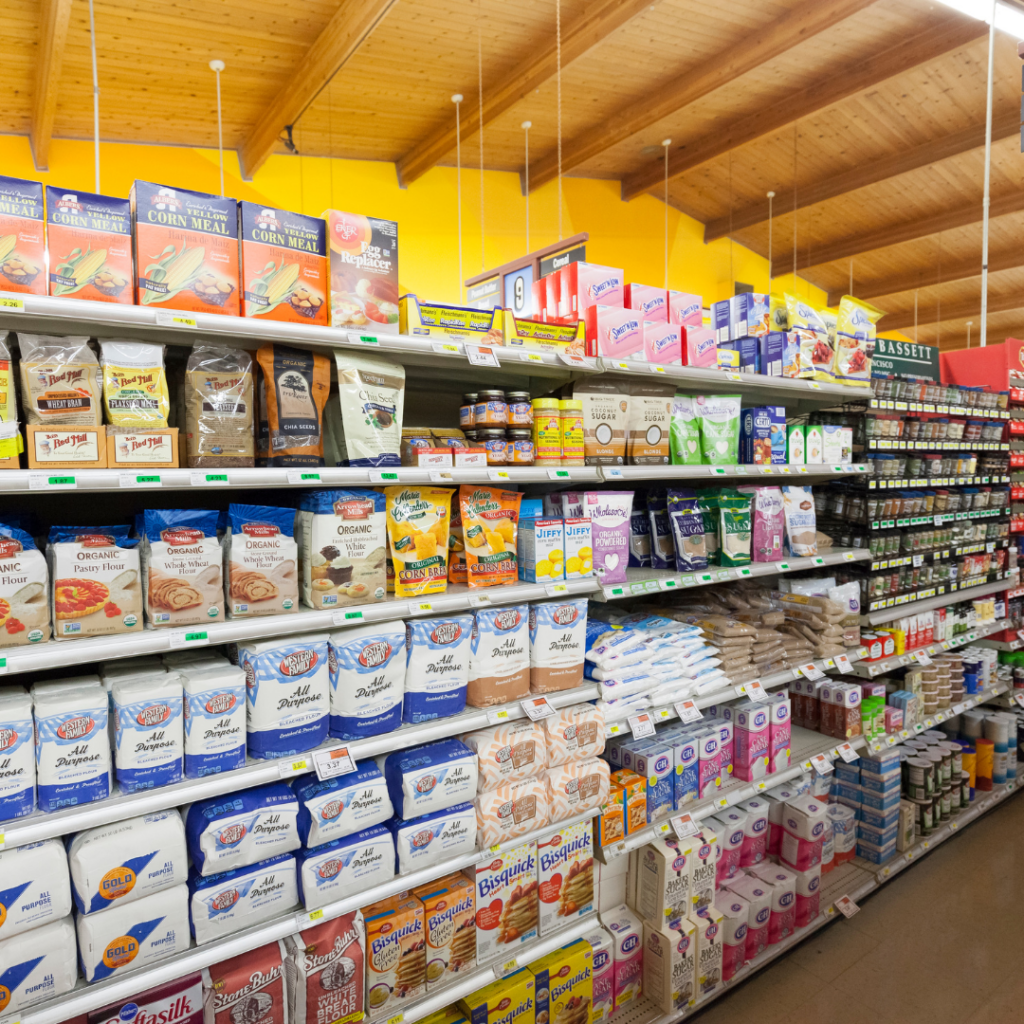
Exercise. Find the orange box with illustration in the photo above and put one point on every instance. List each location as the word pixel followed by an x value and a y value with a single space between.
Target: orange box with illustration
pixel 284 265
pixel 22 248
pixel 186 249
pixel 89 246
pixel 396 957
pixel 449 917
pixel 363 255
pixel 634 798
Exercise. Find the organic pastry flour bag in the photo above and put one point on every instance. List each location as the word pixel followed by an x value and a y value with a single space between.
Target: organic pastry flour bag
pixel 24 590
pixel 261 561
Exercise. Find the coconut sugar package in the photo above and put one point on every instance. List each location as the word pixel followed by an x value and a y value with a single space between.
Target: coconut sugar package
pixel 134 384
pixel 97 589
pixel 490 522
pixel 60 381
pixel 296 387
pixel 24 590
pixel 22 252
pixel 558 640
pixel 499 661
pixel 219 407
pixel 261 557
pixel 647 423
pixel 605 404
pixel 371 390
pixel 609 513
pixel 801 523
pixel 181 567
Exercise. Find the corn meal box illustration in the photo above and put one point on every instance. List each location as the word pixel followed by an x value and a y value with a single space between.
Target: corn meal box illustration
pixel 22 249
pixel 186 249
pixel 284 265
pixel 89 245
pixel 363 271
pixel 417 519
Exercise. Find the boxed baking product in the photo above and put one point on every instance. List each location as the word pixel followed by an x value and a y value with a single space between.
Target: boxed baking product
pixel 566 876
pixel 627 955
pixel 22 247
pixel 450 323
pixel 363 254
pixel 565 984
pixel 649 300
pixel 509 1000
pixel 709 952
pixel 134 449
pixel 670 963
pixel 449 921
pixel 541 554
pixel 507 902
pixel 396 957
pixel 586 284
pixel 54 448
pixel 566 338
pixel 614 332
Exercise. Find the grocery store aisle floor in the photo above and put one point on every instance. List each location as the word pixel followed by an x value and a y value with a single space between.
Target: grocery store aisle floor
pixel 938 944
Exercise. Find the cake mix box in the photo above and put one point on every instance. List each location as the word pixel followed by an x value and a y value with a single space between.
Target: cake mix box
pixel 565 984
pixel 284 265
pixel 507 903
pixel 449 918
pixel 363 271
pixel 186 249
pixel 396 957
pixel 22 250
pixel 175 1002
pixel 566 865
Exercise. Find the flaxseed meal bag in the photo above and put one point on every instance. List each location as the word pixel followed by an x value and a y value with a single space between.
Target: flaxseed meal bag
pixel 218 423
pixel 297 385
pixel 134 384
pixel 60 381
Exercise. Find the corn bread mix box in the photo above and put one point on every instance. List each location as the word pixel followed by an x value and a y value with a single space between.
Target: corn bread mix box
pixel 507 907
pixel 363 271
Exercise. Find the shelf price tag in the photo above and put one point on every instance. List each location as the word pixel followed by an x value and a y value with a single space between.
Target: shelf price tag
pixel 685 826
pixel 503 970
pixel 847 753
pixel 821 764
pixel 138 480
pixel 447 347
pixel 482 355
pixel 189 638
pixel 382 476
pixel 811 671
pixel 166 319
pixel 498 715
pixel 297 476
pixel 201 479
pixel 1019 698
pixel 343 617
pixel 497 474
pixel 843 663
pixel 641 725
pixel 304 920
pixel 554 589
pixel 559 474
pixel 331 763
pixel 420 607
pixel 921 658
pixel 288 768
pixel 6 303
pixel 688 711
pixel 572 359
pixel 755 691
pixel 846 906
pixel 44 482
pixel 537 708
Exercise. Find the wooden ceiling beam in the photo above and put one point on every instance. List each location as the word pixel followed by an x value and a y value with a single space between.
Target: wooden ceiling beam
pixel 908 231
pixel 601 19
pixel 950 34
pixel 868 173
pixel 351 25
pixel 932 314
pixel 795 27
pixel 53 33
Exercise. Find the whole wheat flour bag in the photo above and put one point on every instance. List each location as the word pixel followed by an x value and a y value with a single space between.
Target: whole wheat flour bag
pixel 97 589
pixel 296 385
pixel 261 558
pixel 219 408
pixel 371 390
pixel 182 574
pixel 326 970
pixel 24 590
pixel 134 384
pixel 60 381
pixel 248 988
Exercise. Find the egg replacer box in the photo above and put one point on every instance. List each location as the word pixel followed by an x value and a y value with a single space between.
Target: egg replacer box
pixel 417 519
pixel 22 251
pixel 24 589
pixel 338 807
pixel 40 964
pixel 565 984
pixel 186 249
pixel 367 673
pixel 343 542
pixel 215 715
pixel 89 245
pixel 363 254
pixel 284 265
pixel 345 867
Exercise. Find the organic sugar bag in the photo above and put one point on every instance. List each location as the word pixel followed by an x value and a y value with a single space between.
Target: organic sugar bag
pixel 288 694
pixel 684 432
pixel 801 523
pixel 133 935
pixel 719 419
pixel 240 898
pixel 214 708
pixel 609 513
pixel 558 636
pixel 38 965
pixel 499 662
pixel 433 838
pixel 437 671
pixel 34 887
pixel 367 676
pixel 338 807
pixel 371 390
pixel 430 778
pixel 345 867
pixel 24 590
pixel 127 860
pixel 72 746
pixel 17 755
pixel 261 557
pixel 150 733
pixel 647 423
pixel 182 567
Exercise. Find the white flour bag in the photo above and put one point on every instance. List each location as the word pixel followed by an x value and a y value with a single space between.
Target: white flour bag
pixel 150 736
pixel 558 641
pixel 288 694
pixel 17 756
pixel 338 807
pixel 34 887
pixel 438 669
pixel 499 663
pixel 214 706
pixel 38 965
pixel 367 667
pixel 346 867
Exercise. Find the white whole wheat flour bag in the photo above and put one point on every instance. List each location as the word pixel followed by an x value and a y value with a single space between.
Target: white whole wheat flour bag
pixel 133 935
pixel 150 733
pixel 430 778
pixel 242 828
pixel 338 807
pixel 558 642
pixel 499 663
pixel 39 964
pixel 233 900
pixel 127 860
pixel 367 670
pixel 346 867
pixel 434 838
pixel 438 667
pixel 214 708
pixel 34 887
pixel 17 755
pixel 288 694
pixel 24 590
pixel 72 746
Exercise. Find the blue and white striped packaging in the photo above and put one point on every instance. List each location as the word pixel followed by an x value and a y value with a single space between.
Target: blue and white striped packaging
pixel 150 740
pixel 214 720
pixel 17 756
pixel 438 667
pixel 430 778
pixel 345 867
pixel 367 672
pixel 338 807
pixel 433 838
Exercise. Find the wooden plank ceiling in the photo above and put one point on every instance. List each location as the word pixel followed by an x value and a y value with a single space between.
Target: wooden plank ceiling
pixel 865 117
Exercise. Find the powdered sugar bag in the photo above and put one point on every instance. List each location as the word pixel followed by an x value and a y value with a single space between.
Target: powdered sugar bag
pixel 609 513
pixel 24 590
pixel 437 672
pixel 499 664
pixel 367 676
pixel 558 635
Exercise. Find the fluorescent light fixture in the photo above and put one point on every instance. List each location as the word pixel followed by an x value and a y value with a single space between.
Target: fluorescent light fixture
pixel 1009 17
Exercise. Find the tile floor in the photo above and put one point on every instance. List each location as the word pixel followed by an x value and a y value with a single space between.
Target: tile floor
pixel 937 945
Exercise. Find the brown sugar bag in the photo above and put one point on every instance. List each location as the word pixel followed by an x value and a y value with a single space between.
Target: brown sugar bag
pixel 296 385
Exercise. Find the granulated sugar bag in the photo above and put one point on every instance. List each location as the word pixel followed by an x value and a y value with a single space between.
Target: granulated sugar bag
pixel 367 677
pixel 499 663
pixel 438 667
pixel 558 636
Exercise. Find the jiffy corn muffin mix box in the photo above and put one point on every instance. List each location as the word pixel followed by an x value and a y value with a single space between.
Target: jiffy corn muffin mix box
pixel 541 550
pixel 579 552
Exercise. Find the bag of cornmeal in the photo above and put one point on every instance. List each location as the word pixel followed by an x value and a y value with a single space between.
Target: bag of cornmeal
pixel 34 887
pixel 367 675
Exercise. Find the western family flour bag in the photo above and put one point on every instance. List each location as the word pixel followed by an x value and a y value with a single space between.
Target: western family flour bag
pixel 367 676
pixel 150 738
pixel 214 699
pixel 499 661
pixel 437 672
pixel 345 867
pixel 17 756
pixel 335 808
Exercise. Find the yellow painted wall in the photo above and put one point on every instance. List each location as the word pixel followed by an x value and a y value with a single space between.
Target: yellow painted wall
pixel 627 235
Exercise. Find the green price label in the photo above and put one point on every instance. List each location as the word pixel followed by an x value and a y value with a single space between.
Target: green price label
pixel 61 481
pixel 191 638
pixel 147 479
pixel 216 478
pixel 389 476
pixel 353 615
pixel 310 476
pixel 367 339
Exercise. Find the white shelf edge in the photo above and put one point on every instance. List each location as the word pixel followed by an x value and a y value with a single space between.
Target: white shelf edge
pixel 930 603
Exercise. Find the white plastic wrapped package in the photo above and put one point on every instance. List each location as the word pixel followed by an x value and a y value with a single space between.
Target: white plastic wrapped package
pixel 438 667
pixel 17 755
pixel 127 860
pixel 499 663
pixel 338 807
pixel 37 965
pixel 430 778
pixel 508 751
pixel 346 867
pixel 150 733
pixel 367 669
pixel 214 704
pixel 433 838
pixel 34 887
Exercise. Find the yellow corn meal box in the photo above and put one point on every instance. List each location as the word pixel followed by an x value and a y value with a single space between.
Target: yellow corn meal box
pixel 490 523
pixel 565 984
pixel 511 1000
pixel 418 520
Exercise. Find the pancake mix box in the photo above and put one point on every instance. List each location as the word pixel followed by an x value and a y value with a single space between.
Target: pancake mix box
pixel 507 905
pixel 566 863
pixel 22 249
pixel 363 271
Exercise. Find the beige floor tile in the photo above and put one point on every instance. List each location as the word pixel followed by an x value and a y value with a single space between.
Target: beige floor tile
pixel 829 952
pixel 763 999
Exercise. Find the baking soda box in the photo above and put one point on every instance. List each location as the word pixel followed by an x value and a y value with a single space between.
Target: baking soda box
pixel 22 251
pixel 284 265
pixel 89 245
pixel 363 271
pixel 186 249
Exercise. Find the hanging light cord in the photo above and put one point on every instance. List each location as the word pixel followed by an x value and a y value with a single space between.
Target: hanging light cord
pixel 666 143
pixel 480 91
pixel 217 66
pixel 558 83
pixel 771 196
pixel 95 96
pixel 457 99
pixel 526 126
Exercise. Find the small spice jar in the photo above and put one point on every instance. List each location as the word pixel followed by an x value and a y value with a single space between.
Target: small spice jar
pixel 570 411
pixel 491 409
pixel 547 432
pixel 467 411
pixel 520 409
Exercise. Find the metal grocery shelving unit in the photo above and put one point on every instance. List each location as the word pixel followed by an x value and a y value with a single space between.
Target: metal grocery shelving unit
pixel 929 604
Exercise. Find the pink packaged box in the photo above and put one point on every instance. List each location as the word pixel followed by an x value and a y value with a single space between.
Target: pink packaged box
pixel 735 915
pixel 758 896
pixel 552 295
pixel 808 885
pixel 709 952
pixel 776 798
pixel 725 749
pixel 780 734
pixel 627 953
pixel 646 299
pixel 663 343
pixel 709 762
pixel 700 348
pixel 750 751
pixel 783 906
pixel 893 719
pixel 731 844
pixel 685 308
pixel 614 332
pixel 755 831
pixel 587 284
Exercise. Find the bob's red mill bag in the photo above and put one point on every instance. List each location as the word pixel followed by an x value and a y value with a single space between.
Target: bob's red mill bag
pixel 325 972
pixel 247 989
pixel 295 388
